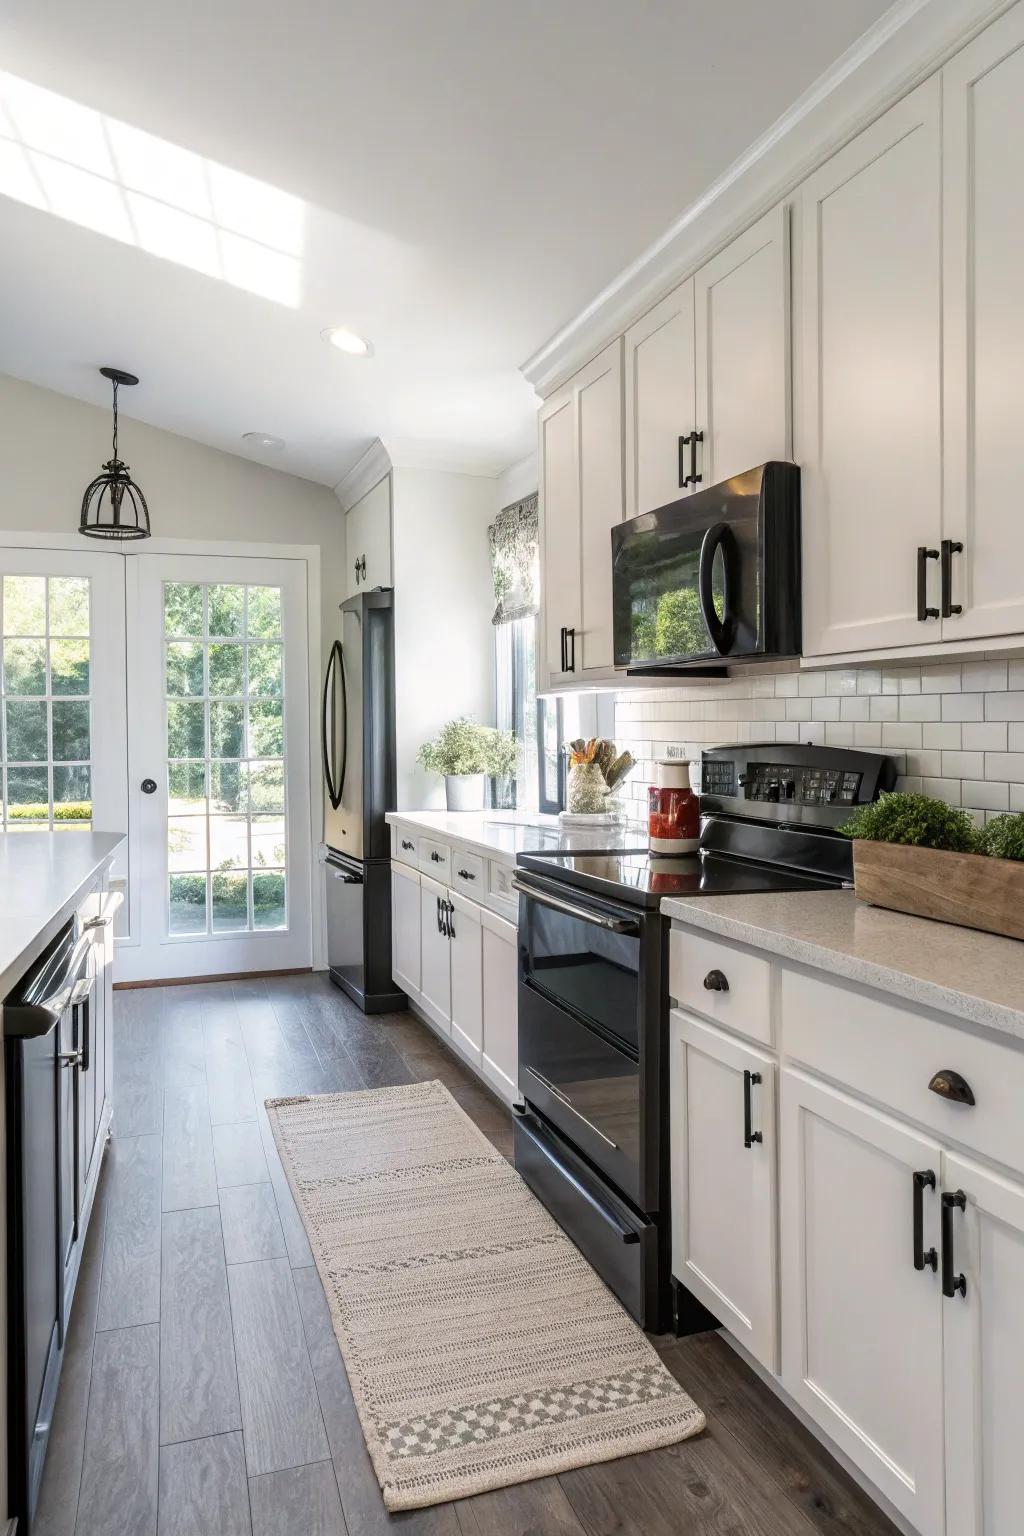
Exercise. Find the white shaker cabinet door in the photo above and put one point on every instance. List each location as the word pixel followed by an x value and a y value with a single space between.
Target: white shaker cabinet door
pixel 983 284
pixel 560 530
pixel 869 439
pixel 660 402
pixel 501 1008
pixel 435 954
pixel 983 1332
pixel 599 437
pixel 467 977
pixel 723 1180
pixel 741 310
pixel 861 1326
pixel 405 928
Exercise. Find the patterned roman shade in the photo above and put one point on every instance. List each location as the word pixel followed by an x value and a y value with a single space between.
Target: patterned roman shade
pixel 515 560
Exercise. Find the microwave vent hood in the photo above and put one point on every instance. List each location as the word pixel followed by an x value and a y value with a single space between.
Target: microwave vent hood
pixel 711 579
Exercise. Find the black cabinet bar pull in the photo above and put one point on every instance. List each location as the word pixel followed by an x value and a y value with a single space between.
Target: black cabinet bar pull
pixel 451 918
pixel 924 554
pixel 950 547
pixel 923 1179
pixel 562 658
pixel 570 660
pixel 436 857
pixel 749 1136
pixel 684 478
pixel 465 874
pixel 690 441
pixel 951 1283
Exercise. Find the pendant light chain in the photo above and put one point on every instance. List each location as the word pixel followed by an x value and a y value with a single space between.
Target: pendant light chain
pixel 115 421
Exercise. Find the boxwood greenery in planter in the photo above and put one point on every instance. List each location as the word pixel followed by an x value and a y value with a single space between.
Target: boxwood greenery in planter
pixel 1003 838
pixel 917 821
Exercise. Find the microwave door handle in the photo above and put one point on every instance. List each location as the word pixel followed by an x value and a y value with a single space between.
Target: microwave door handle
pixel 722 631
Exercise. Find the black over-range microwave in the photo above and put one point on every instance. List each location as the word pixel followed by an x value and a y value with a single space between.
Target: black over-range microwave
pixel 711 579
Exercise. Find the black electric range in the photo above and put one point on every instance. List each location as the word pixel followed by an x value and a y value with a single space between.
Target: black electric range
pixel 593 995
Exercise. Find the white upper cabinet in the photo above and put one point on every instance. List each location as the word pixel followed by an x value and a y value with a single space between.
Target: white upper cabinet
pixel 559 497
pixel 581 467
pixel 599 407
pixel 869 438
pixel 983 211
pixel 741 331
pixel 661 405
pixel 368 540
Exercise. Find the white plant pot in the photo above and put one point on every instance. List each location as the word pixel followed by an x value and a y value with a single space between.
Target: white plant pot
pixel 464 791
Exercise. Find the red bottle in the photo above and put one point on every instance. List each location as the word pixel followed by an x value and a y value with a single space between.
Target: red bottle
pixel 673 810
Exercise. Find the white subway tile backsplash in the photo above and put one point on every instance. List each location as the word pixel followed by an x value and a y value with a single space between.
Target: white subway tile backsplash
pixel 985 795
pixel 965 706
pixel 1004 706
pixel 956 730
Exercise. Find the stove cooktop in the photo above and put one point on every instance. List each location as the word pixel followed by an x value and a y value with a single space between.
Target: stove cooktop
pixel 640 879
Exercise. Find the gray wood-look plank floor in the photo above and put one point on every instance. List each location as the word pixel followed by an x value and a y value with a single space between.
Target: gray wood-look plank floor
pixel 203 1391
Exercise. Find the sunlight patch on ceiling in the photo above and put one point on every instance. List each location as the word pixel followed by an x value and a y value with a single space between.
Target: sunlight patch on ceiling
pixel 105 175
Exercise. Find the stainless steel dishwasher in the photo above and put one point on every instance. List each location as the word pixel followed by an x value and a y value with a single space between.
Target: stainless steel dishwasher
pixel 47 1021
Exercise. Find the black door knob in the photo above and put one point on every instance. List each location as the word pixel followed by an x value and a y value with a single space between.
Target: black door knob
pixel 149 786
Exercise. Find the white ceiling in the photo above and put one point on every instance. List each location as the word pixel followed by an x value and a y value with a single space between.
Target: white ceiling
pixel 453 179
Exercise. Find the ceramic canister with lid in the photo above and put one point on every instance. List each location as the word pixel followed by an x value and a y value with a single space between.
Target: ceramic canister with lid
pixel 673 810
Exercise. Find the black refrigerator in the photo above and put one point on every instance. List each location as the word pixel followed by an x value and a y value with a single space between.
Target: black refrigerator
pixel 358 753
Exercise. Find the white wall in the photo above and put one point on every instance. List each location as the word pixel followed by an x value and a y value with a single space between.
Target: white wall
pixel 444 601
pixel 518 480
pixel 51 446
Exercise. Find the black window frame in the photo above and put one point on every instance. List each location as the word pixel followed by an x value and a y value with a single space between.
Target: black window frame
pixel 545 804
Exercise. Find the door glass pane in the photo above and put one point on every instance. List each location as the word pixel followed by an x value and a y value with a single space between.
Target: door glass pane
pixel 47 709
pixel 224 693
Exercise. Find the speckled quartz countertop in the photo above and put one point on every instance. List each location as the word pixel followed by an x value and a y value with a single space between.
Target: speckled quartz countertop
pixel 504 834
pixel 43 877
pixel 974 976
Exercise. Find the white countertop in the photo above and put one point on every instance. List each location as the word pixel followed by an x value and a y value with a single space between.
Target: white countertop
pixel 974 976
pixel 504 834
pixel 43 877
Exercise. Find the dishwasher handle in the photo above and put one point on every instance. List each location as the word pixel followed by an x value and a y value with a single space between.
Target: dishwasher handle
pixel 37 1009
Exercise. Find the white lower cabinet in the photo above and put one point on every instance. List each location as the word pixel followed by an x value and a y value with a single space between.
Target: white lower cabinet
pixel 435 957
pixel 723 1228
pixel 861 1326
pixel 501 1014
pixel 405 928
pixel 983 1336
pixel 467 977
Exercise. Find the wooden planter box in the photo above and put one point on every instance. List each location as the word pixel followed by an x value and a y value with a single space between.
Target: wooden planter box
pixel 963 888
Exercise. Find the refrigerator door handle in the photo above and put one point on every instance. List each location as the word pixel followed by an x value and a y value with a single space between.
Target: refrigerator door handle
pixel 328 724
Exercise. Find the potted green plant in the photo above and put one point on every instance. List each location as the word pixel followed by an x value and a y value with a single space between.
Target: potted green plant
pixel 464 753
pixel 915 854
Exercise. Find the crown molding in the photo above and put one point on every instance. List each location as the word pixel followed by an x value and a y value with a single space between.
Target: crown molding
pixel 447 458
pixel 364 475
pixel 908 43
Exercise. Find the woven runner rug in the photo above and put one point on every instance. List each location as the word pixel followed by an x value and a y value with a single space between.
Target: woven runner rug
pixel 481 1348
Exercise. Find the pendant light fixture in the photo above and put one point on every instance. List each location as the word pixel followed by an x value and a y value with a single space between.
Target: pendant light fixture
pixel 113 506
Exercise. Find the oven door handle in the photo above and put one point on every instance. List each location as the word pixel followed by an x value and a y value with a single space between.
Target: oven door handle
pixel 584 914
pixel 570 1106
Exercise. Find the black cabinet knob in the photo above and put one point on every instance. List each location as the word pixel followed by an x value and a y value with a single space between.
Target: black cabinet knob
pixel 148 786
pixel 407 845
pixel 716 981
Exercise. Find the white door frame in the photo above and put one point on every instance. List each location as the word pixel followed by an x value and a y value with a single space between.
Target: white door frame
pixel 309 554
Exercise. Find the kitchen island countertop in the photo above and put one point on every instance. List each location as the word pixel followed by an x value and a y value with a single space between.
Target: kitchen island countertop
pixel 43 877
pixel 959 971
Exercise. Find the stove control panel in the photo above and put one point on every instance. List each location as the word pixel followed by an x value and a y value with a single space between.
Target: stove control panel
pixel 788 784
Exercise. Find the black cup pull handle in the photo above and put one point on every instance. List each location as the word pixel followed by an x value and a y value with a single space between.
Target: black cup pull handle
pixel 750 1080
pixel 923 1179
pixel 924 554
pixel 952 1284
pixel 716 981
pixel 950 1085
pixel 949 547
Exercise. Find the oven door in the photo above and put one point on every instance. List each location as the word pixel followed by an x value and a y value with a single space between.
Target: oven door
pixel 582 1048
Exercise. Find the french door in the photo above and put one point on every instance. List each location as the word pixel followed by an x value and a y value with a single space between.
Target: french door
pixel 63 740
pixel 218 766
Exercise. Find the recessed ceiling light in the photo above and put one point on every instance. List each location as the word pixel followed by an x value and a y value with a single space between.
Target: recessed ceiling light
pixel 264 440
pixel 347 341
